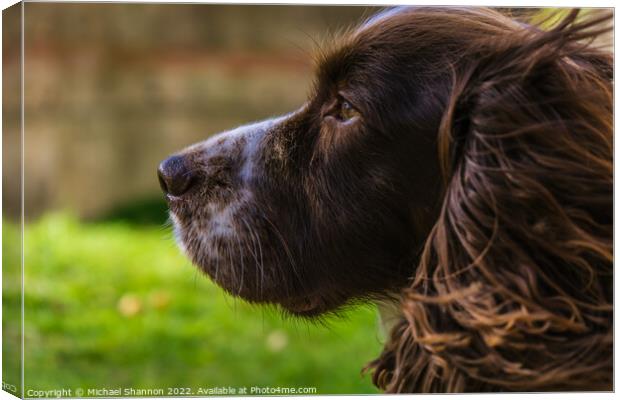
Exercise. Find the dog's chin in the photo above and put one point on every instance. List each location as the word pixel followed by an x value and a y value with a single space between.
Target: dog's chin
pixel 246 286
pixel 306 307
pixel 297 306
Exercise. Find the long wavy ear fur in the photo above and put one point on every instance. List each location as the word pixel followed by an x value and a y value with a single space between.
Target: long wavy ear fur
pixel 513 291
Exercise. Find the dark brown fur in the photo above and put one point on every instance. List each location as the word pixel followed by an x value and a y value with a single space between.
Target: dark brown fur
pixel 475 183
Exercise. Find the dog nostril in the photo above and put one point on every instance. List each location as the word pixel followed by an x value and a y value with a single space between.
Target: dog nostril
pixel 175 176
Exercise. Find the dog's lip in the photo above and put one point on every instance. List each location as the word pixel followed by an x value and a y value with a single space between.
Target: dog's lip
pixel 304 305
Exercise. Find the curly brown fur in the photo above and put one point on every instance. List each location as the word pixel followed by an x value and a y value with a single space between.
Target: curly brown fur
pixel 514 287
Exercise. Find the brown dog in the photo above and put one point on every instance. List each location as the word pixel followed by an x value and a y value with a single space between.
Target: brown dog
pixel 453 156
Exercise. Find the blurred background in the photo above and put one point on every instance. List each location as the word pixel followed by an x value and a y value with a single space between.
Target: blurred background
pixel 110 91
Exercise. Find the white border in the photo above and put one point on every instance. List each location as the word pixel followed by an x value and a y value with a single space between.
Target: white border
pixel 496 3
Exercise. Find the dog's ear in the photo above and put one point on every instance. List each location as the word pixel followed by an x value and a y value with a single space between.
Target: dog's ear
pixel 513 290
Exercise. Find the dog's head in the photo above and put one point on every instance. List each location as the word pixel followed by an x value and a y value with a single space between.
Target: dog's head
pixel 334 201
pixel 330 202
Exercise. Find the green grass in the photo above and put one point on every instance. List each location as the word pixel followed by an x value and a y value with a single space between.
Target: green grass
pixel 111 305
pixel 11 309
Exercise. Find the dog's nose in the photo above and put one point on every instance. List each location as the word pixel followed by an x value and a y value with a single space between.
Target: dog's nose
pixel 175 175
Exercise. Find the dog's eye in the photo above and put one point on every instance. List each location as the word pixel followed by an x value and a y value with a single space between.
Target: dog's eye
pixel 347 111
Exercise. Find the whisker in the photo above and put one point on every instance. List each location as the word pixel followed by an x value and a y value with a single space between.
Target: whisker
pixel 240 251
pixel 217 260
pixel 254 254
pixel 286 249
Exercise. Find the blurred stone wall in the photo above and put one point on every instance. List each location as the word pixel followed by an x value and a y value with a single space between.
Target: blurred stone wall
pixel 11 117
pixel 112 89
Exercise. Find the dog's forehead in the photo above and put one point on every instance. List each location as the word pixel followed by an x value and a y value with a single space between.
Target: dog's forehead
pixel 383 16
pixel 357 47
pixel 369 50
